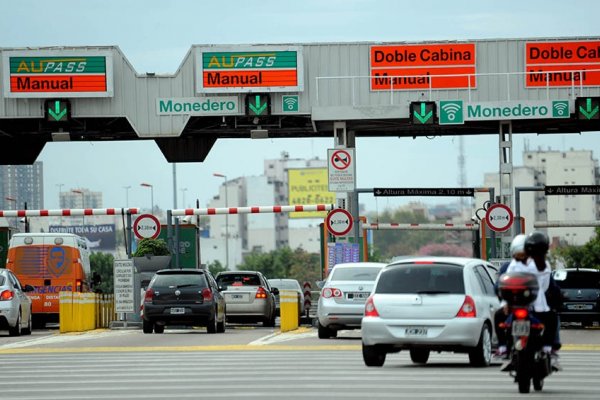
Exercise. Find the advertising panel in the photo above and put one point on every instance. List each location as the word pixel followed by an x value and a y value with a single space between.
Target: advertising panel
pixel 98 237
pixel 309 186
pixel 560 64
pixel 435 66
pixel 257 69
pixel 52 73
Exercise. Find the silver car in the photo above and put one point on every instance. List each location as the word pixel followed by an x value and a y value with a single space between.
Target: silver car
pixel 343 296
pixel 248 297
pixel 431 304
pixel 288 284
pixel 15 305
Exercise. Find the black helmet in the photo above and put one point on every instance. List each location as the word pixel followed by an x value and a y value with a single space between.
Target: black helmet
pixel 537 243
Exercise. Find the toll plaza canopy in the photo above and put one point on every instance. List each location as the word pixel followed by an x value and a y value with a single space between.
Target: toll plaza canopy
pixel 401 89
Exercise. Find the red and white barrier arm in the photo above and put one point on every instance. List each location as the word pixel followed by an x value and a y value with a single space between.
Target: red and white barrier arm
pixel 74 212
pixel 422 227
pixel 565 224
pixel 252 210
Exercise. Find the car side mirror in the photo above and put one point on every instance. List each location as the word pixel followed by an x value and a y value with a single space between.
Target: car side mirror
pixel 28 288
pixel 275 291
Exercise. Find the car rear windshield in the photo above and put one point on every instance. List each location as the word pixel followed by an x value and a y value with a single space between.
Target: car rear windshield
pixel 289 285
pixel 355 274
pixel 422 279
pixel 179 280
pixel 580 280
pixel 238 280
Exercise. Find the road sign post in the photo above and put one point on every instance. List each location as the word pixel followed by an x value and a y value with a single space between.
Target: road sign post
pixel 339 222
pixel 342 170
pixel 146 226
pixel 499 217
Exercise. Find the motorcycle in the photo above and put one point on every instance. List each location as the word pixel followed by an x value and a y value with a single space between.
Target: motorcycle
pixel 529 363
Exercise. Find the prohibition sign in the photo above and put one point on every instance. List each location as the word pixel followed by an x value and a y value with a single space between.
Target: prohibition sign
pixel 341 159
pixel 339 222
pixel 146 226
pixel 499 217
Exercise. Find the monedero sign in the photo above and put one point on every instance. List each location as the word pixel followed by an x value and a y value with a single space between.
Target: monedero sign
pixel 245 70
pixel 224 105
pixel 457 111
pixel 39 74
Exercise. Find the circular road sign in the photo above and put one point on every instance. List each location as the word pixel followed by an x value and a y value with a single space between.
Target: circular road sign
pixel 341 159
pixel 499 217
pixel 339 222
pixel 146 226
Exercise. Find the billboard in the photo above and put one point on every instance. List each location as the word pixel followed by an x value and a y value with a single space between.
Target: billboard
pixel 309 186
pixel 98 237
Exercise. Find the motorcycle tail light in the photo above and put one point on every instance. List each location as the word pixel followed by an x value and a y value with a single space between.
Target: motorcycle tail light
pixel 521 313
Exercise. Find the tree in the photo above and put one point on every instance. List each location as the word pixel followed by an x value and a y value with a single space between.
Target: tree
pixel 215 267
pixel 102 264
pixel 445 249
pixel 586 256
pixel 285 263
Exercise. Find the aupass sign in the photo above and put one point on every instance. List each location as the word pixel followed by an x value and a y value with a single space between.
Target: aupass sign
pixel 246 70
pixel 42 74
pixel 452 112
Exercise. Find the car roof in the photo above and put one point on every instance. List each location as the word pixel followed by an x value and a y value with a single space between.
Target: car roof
pixel 462 261
pixel 238 272
pixel 578 269
pixel 283 280
pixel 367 264
pixel 180 271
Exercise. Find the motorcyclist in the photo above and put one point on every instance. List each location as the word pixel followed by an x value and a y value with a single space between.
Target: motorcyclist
pixel 536 246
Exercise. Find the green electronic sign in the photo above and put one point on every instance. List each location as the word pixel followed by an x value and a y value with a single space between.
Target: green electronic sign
pixel 258 105
pixel 422 112
pixel 587 108
pixel 57 110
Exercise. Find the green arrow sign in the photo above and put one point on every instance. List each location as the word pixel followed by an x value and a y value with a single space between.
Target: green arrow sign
pixel 420 112
pixel 258 108
pixel 588 112
pixel 58 111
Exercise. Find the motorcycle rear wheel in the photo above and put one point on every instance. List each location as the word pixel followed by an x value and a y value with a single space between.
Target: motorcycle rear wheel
pixel 523 368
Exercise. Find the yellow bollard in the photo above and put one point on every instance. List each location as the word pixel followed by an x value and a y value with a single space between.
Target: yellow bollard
pixel 65 311
pixel 288 306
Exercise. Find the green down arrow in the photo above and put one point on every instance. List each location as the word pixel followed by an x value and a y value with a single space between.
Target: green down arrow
pixel 257 108
pixel 57 114
pixel 588 112
pixel 424 117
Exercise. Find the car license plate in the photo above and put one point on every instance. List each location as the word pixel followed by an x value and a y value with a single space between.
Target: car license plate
pixel 580 306
pixel 177 310
pixel 357 295
pixel 415 331
pixel 520 328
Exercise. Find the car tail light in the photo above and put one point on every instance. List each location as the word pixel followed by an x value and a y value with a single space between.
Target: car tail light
pixel 370 310
pixel 331 292
pixel 149 295
pixel 467 310
pixel 7 295
pixel 207 294
pixel 261 293
pixel 78 285
pixel 521 313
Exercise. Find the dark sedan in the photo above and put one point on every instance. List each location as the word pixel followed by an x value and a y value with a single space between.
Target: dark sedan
pixel 581 295
pixel 183 297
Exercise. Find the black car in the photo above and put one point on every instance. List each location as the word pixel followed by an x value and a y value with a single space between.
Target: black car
pixel 183 297
pixel 581 295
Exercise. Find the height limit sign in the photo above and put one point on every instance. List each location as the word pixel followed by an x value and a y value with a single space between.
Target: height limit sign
pixel 342 170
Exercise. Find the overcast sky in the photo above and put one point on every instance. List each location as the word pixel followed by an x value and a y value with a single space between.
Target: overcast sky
pixel 155 36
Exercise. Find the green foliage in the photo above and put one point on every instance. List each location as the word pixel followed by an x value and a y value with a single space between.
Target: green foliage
pixel 586 256
pixel 285 263
pixel 102 264
pixel 215 267
pixel 156 247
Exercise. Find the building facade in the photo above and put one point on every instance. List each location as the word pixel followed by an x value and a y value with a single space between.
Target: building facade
pixel 20 184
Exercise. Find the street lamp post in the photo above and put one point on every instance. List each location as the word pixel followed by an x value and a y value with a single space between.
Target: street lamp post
pixel 183 190
pixel 226 218
pixel 151 195
pixel 82 203
pixel 126 195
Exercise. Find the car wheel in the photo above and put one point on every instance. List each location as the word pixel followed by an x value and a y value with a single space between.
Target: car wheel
pixel 28 328
pixel 373 356
pixel 211 327
pixel 324 332
pixel 159 328
pixel 481 355
pixel 270 322
pixel 419 356
pixel 16 330
pixel 147 326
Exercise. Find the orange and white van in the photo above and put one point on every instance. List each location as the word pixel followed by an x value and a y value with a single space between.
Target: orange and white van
pixel 51 263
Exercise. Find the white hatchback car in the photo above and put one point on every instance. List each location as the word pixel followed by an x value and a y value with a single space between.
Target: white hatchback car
pixel 343 296
pixel 431 304
pixel 15 305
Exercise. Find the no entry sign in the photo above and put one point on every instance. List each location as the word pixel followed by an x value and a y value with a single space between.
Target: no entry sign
pixel 339 222
pixel 499 217
pixel 146 226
